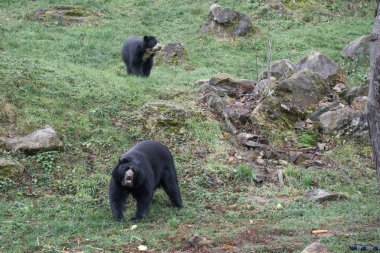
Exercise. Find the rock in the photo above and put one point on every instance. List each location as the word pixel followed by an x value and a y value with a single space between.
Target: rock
pixel 202 81
pixel 166 115
pixel 340 88
pixel 217 103
pixel 322 146
pixel 225 22
pixel 172 53
pixel 66 15
pixel 359 103
pixel 294 155
pixel 281 70
pixel 291 100
pixel 251 140
pixel 357 49
pixel 324 66
pixel 198 241
pixel 7 113
pixel 320 195
pixel 335 120
pixel 325 108
pixel 45 139
pixel 214 180
pixel 12 170
pixel 345 122
pixel 257 199
pixel 283 162
pixel 357 92
pixel 224 84
pixel 316 247
pixel 265 87
pixel 260 161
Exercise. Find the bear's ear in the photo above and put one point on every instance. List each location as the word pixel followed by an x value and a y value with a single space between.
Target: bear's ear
pixel 146 38
pixel 123 160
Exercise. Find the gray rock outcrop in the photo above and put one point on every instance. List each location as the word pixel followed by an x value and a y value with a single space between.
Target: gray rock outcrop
pixel 292 99
pixel 357 49
pixel 281 70
pixel 324 66
pixel 226 22
pixel 45 139
pixel 172 53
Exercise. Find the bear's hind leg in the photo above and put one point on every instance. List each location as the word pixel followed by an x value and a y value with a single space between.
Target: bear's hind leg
pixel 170 185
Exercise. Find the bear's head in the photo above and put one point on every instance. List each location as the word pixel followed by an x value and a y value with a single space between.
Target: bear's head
pixel 128 172
pixel 151 44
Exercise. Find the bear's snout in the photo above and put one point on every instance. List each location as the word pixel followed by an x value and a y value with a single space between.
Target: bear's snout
pixel 157 47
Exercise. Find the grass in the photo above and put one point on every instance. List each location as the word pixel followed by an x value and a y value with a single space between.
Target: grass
pixel 72 78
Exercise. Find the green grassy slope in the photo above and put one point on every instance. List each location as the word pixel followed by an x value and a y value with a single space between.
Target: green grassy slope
pixel 73 79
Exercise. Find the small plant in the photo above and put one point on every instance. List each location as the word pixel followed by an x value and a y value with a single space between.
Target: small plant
pixel 244 172
pixel 6 184
pixel 47 160
pixel 298 177
pixel 173 222
pixel 307 139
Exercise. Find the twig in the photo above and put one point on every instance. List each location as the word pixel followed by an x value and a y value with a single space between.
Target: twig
pixel 269 59
pixel 229 123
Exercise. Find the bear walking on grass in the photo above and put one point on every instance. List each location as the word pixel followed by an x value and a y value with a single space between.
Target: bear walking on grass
pixel 138 54
pixel 145 167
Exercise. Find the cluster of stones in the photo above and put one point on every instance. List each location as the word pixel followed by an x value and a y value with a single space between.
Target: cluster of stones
pixel 310 94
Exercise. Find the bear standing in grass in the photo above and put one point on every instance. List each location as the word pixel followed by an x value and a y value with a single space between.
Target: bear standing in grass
pixel 145 167
pixel 138 54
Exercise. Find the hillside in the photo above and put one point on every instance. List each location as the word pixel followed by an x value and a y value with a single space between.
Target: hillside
pixel 68 74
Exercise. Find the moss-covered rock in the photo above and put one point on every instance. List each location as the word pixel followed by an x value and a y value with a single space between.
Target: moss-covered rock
pixel 324 66
pixel 357 49
pixel 9 169
pixel 65 15
pixel 172 53
pixel 291 100
pixel 226 22
pixel 170 117
pixel 281 70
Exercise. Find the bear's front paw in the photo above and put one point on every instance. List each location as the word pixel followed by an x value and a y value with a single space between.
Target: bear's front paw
pixel 136 218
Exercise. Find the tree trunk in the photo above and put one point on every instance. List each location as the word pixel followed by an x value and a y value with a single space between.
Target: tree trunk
pixel 373 104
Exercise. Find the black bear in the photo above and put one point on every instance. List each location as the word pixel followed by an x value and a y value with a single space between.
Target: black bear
pixel 145 167
pixel 138 54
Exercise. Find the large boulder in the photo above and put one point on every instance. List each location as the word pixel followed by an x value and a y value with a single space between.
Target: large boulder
pixel 345 122
pixel 281 70
pixel 171 117
pixel 223 94
pixel 226 22
pixel 9 169
pixel 357 92
pixel 225 85
pixel 324 66
pixel 45 139
pixel 357 49
pixel 264 87
pixel 172 53
pixel 291 100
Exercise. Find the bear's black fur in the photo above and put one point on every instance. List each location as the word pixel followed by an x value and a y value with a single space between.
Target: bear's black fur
pixel 138 54
pixel 142 169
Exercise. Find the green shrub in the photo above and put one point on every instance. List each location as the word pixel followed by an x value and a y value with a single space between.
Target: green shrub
pixel 244 172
